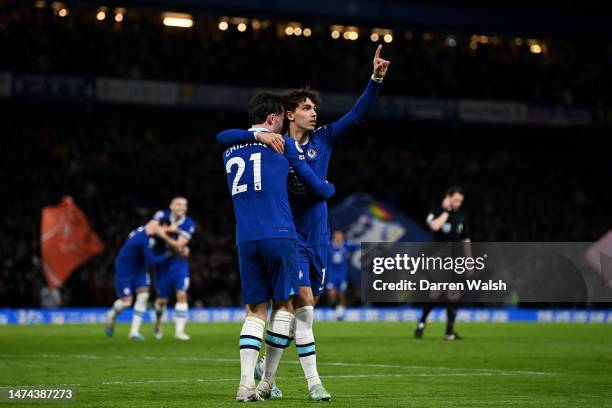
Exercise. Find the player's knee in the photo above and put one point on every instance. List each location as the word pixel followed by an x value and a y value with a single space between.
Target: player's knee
pixel 142 296
pixel 305 316
pixel 303 298
pixel 141 301
pixel 127 300
pixel 302 302
pixel 259 310
pixel 181 296
pixel 283 306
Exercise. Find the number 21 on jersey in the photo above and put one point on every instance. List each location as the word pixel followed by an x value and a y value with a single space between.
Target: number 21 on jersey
pixel 239 161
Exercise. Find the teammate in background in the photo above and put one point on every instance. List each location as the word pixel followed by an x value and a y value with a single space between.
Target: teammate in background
pixel 131 275
pixel 266 241
pixel 337 265
pixel 173 273
pixel 449 224
pixel 311 216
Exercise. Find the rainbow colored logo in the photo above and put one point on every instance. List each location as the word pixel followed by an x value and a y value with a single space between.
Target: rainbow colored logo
pixel 380 212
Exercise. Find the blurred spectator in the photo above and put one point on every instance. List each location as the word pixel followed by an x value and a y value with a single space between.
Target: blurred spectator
pixel 424 65
pixel 123 164
pixel 533 184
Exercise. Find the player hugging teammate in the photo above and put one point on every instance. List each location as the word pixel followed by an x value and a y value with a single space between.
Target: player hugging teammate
pixel 162 244
pixel 309 215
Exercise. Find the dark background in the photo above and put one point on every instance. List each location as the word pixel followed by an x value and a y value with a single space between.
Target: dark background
pixel 121 164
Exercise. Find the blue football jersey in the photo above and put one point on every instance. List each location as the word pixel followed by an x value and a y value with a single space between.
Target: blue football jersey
pixel 257 181
pixel 186 226
pixel 338 257
pixel 310 213
pixel 139 249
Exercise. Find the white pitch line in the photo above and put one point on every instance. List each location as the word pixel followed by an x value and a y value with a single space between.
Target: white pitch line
pixel 483 370
pixel 206 380
pixel 330 363
pixel 199 380
pixel 364 376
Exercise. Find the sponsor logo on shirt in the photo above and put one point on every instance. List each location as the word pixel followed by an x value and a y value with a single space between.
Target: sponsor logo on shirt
pixel 294 185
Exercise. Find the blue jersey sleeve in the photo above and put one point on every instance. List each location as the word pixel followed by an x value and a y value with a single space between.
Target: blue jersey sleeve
pixel 187 228
pixel 150 257
pixel 232 137
pixel 162 215
pixel 296 158
pixel 337 130
pixel 350 245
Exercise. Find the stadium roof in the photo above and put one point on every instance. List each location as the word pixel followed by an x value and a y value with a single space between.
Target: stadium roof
pixel 547 17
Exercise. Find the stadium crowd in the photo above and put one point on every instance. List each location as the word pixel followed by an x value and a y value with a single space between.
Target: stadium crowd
pixel 522 184
pixel 425 64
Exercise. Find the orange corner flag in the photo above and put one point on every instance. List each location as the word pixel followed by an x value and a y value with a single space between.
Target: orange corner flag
pixel 66 241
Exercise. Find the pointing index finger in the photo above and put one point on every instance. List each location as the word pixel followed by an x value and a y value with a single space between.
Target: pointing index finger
pixel 377 54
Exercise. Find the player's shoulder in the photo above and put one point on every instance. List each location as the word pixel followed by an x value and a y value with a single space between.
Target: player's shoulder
pixel 187 227
pixel 189 222
pixel 292 143
pixel 137 234
pixel 162 215
pixel 244 149
pixel 320 131
pixel 293 148
pixel 324 135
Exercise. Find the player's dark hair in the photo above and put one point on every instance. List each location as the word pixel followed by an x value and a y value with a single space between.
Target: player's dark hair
pixel 264 104
pixel 454 190
pixel 293 97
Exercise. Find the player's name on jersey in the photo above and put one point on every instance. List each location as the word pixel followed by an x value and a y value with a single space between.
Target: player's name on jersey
pixel 242 146
pixel 424 284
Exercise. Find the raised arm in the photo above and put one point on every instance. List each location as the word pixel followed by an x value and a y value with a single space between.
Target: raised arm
pixel 435 219
pixel 295 155
pixel 233 137
pixel 365 103
pixel 435 223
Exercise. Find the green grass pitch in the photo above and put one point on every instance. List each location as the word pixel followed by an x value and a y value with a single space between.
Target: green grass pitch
pixel 361 364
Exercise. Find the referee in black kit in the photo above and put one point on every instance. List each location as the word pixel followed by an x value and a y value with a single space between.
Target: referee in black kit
pixel 449 224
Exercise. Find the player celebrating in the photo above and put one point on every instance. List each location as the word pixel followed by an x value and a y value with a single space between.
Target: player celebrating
pixel 131 275
pixel 311 216
pixel 266 239
pixel 173 273
pixel 338 271
pixel 449 224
